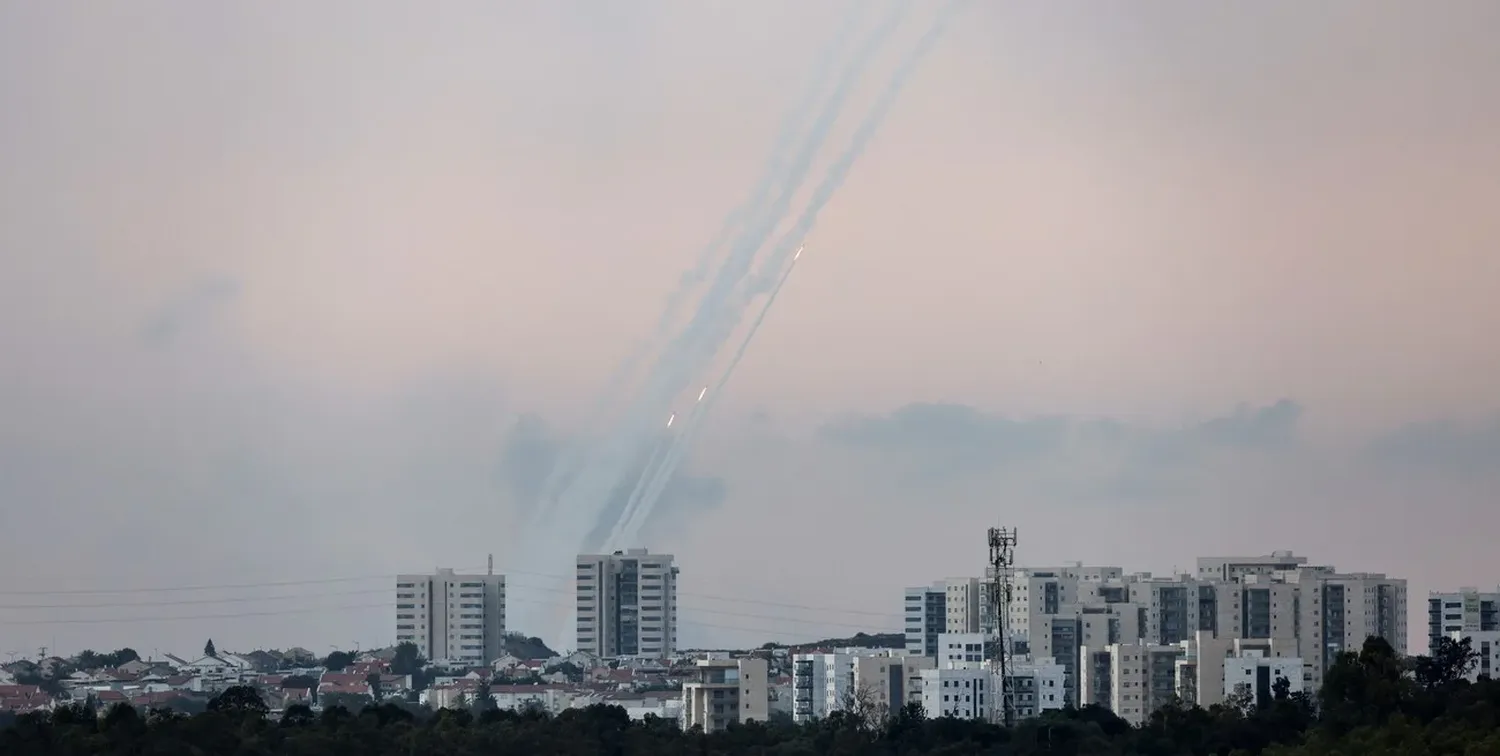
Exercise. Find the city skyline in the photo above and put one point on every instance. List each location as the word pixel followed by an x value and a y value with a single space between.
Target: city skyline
pixel 286 298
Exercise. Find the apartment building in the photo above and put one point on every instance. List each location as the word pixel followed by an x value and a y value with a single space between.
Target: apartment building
pixel 972 690
pixel 1130 679
pixel 926 612
pixel 954 605
pixel 451 616
pixel 828 682
pixel 627 604
pixel 1201 672
pixel 1037 687
pixel 965 693
pixel 722 692
pixel 1060 638
pixel 965 605
pixel 965 650
pixel 1308 612
pixel 1251 677
pixel 1465 612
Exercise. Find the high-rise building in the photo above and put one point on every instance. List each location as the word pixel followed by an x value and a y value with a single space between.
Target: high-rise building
pixel 954 605
pixel 1468 611
pixel 1311 613
pixel 627 604
pixel 453 617
pixel 1131 679
pixel 926 613
pixel 883 679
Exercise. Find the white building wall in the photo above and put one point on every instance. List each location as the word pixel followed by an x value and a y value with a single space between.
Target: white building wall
pixel 726 692
pixel 926 612
pixel 963 650
pixel 452 616
pixel 1467 611
pixel 963 605
pixel 627 604
pixel 959 693
pixel 1253 674
pixel 1038 688
pixel 820 683
pixel 1130 679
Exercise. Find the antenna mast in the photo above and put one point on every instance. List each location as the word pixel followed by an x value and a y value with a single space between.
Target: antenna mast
pixel 1002 566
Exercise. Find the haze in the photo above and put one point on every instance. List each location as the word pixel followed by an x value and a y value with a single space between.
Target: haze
pixel 294 292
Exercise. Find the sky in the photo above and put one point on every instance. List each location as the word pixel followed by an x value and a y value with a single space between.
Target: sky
pixel 312 294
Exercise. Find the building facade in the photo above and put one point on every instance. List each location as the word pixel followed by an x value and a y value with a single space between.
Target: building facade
pixel 954 605
pixel 882 679
pixel 965 693
pixel 627 604
pixel 1466 611
pixel 926 612
pixel 450 616
pixel 1130 679
pixel 1251 677
pixel 1280 601
pixel 724 692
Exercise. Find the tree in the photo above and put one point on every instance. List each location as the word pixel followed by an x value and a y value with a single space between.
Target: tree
pixel 298 715
pixel 484 700
pixel 338 661
pixel 209 650
pixel 860 706
pixel 408 659
pixel 1449 662
pixel 1364 688
pixel 373 680
pixel 299 682
pixel 242 699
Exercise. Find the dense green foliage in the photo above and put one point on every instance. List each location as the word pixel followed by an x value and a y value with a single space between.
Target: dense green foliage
pixel 1372 704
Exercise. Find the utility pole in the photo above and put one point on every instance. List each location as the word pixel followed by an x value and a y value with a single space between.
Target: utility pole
pixel 1002 565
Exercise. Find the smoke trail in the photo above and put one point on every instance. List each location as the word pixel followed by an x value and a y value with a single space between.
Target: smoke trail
pixel 660 452
pixel 712 325
pixel 793 125
pixel 684 355
pixel 683 441
pixel 714 320
pixel 831 183
pixel 744 249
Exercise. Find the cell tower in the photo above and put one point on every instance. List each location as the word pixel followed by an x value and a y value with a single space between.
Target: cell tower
pixel 1002 566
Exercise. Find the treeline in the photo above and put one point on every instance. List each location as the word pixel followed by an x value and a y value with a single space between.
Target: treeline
pixel 1373 703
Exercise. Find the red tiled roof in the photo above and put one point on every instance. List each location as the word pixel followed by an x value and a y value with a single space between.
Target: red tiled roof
pixel 342 678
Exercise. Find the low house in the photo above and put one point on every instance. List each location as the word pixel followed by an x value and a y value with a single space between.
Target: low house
pixel 218 671
pixel 136 667
pixel 18 699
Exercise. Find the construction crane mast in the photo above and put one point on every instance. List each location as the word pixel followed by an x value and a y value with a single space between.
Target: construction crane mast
pixel 1002 567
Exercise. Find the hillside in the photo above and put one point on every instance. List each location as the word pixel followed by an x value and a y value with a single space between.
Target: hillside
pixel 522 647
pixel 858 640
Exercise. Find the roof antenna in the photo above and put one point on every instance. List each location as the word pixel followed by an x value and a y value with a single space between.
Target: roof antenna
pixel 492 564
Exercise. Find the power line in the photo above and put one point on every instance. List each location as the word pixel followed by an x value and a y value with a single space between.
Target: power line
pixel 391 606
pixel 185 602
pixel 186 588
pixel 329 581
pixel 237 615
pixel 210 586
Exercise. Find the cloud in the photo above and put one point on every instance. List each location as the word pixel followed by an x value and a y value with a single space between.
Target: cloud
pixel 198 302
pixel 936 440
pixel 1445 446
